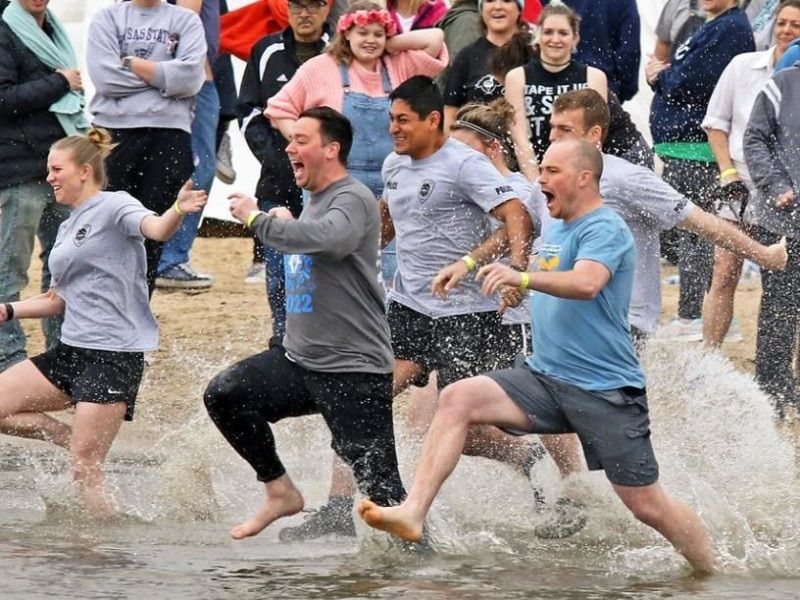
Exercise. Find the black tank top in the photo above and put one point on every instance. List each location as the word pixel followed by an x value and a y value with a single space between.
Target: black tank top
pixel 541 90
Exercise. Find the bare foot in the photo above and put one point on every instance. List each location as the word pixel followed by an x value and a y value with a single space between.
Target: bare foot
pixel 98 503
pixel 392 519
pixel 275 507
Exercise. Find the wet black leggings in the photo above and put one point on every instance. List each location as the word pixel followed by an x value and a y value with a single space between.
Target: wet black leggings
pixel 357 407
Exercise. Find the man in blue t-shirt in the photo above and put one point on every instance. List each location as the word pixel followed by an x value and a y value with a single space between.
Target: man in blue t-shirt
pixel 583 377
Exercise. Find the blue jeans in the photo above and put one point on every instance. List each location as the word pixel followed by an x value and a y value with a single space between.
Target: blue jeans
pixel 276 282
pixel 26 210
pixel 204 148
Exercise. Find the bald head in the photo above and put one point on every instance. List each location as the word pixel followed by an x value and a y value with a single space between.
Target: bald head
pixel 583 155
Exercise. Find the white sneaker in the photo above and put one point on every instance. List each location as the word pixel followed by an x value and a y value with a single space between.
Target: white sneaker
pixel 257 273
pixel 734 333
pixel 224 168
pixel 682 330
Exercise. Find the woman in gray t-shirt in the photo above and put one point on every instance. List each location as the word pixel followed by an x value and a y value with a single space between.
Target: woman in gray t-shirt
pixel 98 267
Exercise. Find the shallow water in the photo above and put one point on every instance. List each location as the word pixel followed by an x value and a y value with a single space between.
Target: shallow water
pixel 717 445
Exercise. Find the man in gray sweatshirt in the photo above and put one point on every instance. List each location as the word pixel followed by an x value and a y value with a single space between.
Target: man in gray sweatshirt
pixel 147 61
pixel 336 358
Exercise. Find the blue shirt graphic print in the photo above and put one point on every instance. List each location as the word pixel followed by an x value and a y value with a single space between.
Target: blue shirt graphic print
pixel 299 283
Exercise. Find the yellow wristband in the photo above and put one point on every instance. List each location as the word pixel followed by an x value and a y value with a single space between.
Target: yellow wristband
pixel 252 217
pixel 524 281
pixel 178 209
pixel 470 262
pixel 729 172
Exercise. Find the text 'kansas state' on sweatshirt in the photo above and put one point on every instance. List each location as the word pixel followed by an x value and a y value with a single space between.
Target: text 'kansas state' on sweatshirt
pixel 683 90
pixel 171 36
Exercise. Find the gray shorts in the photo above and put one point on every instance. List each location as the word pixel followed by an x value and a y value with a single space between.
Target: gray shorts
pixel 613 426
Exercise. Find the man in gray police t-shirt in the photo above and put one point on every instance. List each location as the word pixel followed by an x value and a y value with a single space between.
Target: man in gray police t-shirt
pixel 439 207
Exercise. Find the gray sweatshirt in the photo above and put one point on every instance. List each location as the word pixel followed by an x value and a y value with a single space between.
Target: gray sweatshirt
pixel 170 35
pixel 335 312
pixel 771 150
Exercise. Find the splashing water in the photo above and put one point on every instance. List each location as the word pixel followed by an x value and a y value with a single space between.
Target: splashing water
pixel 713 430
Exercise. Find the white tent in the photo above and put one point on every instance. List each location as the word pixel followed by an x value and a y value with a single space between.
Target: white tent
pixel 77 13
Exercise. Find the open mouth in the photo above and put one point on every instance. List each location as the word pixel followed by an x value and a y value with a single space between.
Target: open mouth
pixel 298 168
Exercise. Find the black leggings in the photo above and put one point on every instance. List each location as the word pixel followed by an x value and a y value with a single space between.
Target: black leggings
pixel 357 407
pixel 151 164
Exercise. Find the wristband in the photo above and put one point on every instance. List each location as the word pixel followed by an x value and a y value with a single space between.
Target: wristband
pixel 178 209
pixel 729 172
pixel 470 262
pixel 252 217
pixel 525 281
pixel 9 312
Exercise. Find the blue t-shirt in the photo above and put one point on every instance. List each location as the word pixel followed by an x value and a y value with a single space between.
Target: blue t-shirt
pixel 587 342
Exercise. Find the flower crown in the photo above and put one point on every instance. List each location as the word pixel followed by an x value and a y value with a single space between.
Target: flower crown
pixel 362 18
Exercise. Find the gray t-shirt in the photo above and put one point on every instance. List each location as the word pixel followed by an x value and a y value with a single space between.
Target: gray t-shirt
pixel 99 268
pixel 533 199
pixel 647 204
pixel 335 310
pixel 439 206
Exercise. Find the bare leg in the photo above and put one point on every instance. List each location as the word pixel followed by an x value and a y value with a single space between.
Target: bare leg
pixel 422 406
pixel 565 450
pixel 93 431
pixel 23 389
pixel 283 500
pixel 672 519
pixel 489 442
pixel 37 426
pixel 718 303
pixel 477 400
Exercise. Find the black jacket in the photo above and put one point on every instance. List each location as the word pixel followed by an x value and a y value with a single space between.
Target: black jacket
pixel 27 127
pixel 273 62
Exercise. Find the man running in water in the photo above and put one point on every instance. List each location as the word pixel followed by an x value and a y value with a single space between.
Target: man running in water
pixel 336 357
pixel 583 376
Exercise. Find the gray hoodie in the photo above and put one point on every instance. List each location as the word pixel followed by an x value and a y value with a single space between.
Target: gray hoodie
pixel 771 150
pixel 171 36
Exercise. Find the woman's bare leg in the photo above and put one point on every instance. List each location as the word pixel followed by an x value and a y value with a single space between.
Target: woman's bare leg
pixel 25 395
pixel 93 431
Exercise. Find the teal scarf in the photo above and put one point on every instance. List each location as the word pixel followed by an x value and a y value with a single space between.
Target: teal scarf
pixel 56 53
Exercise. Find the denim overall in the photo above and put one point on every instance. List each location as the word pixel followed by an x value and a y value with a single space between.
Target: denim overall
pixel 372 143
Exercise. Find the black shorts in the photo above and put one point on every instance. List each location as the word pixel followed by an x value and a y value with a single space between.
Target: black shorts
pixel 96 376
pixel 516 347
pixel 613 426
pixel 457 347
